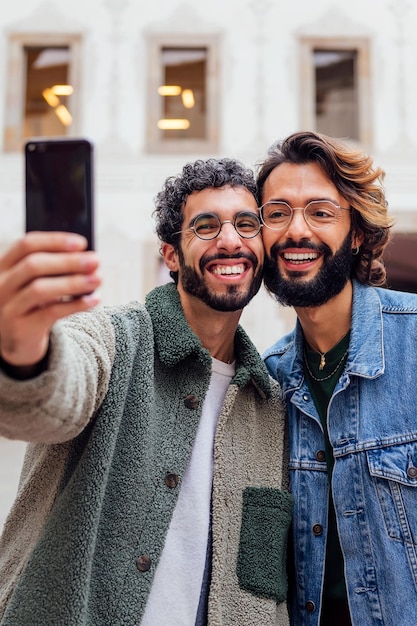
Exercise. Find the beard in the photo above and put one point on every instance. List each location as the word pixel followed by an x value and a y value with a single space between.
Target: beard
pixel 329 282
pixel 234 299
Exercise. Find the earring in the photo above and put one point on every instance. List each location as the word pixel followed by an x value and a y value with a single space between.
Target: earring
pixel 356 251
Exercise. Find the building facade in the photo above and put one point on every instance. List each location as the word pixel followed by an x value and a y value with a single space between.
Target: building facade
pixel 156 84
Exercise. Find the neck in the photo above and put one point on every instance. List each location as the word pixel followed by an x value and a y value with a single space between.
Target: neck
pixel 215 329
pixel 324 326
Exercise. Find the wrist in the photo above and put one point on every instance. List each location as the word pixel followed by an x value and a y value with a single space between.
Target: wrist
pixel 24 372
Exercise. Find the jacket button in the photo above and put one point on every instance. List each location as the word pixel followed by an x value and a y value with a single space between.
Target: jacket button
pixel 320 456
pixel 143 562
pixel 191 401
pixel 310 606
pixel 317 530
pixel 305 397
pixel 171 480
pixel 412 472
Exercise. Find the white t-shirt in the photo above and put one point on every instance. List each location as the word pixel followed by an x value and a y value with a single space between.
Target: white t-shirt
pixel 175 592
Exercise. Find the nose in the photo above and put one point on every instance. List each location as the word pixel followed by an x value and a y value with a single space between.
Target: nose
pixel 298 227
pixel 228 238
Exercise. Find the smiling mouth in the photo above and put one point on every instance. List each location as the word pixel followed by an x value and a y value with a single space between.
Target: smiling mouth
pixel 300 257
pixel 229 269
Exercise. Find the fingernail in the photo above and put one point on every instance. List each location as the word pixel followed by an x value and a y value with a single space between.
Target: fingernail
pixel 92 299
pixel 75 242
pixel 88 261
pixel 92 279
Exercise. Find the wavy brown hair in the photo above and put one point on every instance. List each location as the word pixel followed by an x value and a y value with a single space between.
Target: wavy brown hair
pixel 356 179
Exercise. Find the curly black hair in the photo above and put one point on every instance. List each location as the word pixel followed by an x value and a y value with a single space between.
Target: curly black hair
pixel 195 176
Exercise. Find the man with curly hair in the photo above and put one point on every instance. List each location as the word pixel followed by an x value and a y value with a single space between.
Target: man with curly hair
pixel 154 489
pixel 348 375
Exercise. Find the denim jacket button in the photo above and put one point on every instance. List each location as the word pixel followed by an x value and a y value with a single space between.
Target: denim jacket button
pixel 320 456
pixel 317 530
pixel 310 606
pixel 305 397
pixel 412 472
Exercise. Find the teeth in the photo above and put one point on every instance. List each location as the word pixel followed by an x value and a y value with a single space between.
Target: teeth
pixel 300 256
pixel 229 269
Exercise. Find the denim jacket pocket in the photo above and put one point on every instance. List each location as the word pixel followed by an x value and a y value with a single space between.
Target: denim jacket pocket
pixel 261 563
pixel 394 470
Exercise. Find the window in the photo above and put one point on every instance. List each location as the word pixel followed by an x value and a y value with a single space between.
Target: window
pixel 183 106
pixel 335 88
pixel 183 93
pixel 42 89
pixel 47 91
pixel 336 92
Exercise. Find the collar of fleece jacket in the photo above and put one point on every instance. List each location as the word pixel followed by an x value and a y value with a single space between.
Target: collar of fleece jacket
pixel 175 341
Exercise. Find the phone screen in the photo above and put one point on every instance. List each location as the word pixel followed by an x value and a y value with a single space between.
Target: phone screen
pixel 59 186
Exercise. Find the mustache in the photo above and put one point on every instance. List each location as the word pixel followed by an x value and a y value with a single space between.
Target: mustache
pixel 205 259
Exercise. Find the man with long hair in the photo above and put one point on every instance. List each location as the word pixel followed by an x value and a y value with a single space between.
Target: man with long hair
pixel 348 373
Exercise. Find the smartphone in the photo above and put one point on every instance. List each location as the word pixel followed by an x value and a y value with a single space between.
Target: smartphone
pixel 59 186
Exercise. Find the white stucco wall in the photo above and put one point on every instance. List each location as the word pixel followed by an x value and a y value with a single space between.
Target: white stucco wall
pixel 259 102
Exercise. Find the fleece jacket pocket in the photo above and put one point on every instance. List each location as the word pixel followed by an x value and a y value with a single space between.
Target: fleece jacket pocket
pixel 261 564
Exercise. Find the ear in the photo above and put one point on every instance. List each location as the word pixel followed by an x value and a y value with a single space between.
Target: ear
pixel 357 240
pixel 170 257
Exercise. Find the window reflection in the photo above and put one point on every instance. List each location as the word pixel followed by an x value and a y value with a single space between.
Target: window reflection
pixel 48 92
pixel 183 93
pixel 336 92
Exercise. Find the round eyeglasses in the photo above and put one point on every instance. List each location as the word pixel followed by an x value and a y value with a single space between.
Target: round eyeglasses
pixel 208 225
pixel 318 214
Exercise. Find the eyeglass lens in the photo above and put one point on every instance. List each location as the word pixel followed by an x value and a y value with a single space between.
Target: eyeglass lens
pixel 208 225
pixel 318 214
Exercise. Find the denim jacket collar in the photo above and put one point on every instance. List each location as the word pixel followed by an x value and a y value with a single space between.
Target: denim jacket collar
pixel 366 353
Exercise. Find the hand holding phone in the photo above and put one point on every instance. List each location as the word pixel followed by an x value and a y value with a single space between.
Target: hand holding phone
pixel 44 277
pixel 59 186
pixel 54 284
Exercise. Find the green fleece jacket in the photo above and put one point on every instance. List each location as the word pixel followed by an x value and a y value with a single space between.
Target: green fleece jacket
pixel 115 412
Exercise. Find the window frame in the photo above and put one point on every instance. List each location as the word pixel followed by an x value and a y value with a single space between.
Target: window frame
pixel 155 143
pixel 14 115
pixel 308 88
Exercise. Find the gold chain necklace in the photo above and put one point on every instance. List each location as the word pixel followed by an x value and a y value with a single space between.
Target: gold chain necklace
pixel 319 380
pixel 323 354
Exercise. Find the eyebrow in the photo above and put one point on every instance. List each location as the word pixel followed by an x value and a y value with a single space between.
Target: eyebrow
pixel 247 210
pixel 312 199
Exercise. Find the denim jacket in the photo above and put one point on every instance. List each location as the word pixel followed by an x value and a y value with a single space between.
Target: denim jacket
pixel 372 424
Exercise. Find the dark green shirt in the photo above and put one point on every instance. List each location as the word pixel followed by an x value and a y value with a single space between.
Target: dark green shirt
pixel 321 391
